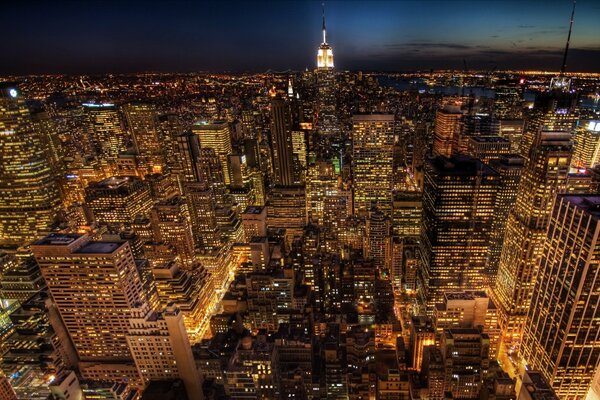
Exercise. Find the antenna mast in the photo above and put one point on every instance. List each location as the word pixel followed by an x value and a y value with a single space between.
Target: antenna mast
pixel 564 63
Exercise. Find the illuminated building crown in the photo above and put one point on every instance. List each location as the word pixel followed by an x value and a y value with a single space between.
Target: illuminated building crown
pixel 325 52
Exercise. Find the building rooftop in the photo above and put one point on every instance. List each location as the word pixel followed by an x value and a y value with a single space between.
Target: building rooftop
pixel 115 182
pixel 205 124
pixel 254 210
pixel 588 203
pixel 58 239
pixel 460 166
pixel 99 247
pixel 537 387
pixel 489 139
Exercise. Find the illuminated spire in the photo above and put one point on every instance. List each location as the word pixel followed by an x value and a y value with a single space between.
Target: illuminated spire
pixel 325 53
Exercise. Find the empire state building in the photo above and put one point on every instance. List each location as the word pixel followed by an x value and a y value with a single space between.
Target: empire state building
pixel 325 53
pixel 325 108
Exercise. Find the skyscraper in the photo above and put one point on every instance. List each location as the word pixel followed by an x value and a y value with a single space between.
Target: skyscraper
pixel 29 195
pixel 105 130
pixel 142 122
pixel 95 303
pixel 459 198
pixel 448 127
pixel 215 135
pixel 586 150
pixel 543 177
pixel 561 332
pixel 118 200
pixel 281 143
pixel 326 107
pixel 372 157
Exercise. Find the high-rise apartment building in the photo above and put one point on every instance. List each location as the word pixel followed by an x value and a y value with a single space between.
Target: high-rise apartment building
pixel 544 176
pixel 561 332
pixel 215 135
pixel 372 158
pixel 29 195
pixel 459 199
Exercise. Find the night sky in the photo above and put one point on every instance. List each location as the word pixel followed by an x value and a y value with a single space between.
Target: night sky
pixel 247 36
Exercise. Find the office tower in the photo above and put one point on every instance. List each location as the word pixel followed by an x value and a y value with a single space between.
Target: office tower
pixel 536 387
pixel 211 173
pixel 29 195
pixel 171 223
pixel 543 177
pixel 512 129
pixel 586 145
pixel 238 170
pixel 161 350
pixel 118 200
pixel 102 294
pixel 466 356
pixel 321 184
pixel 554 110
pixel 142 123
pixel 162 186
pixel 407 208
pixel 188 153
pixel 422 335
pixel 202 206
pixel 21 280
pixel 326 122
pixel 378 235
pixel 299 146
pixel 560 336
pixel 459 200
pixel 507 101
pixel 281 143
pixel 448 127
pixel 171 126
pixel 215 135
pixel 254 221
pixel 257 185
pixel 487 147
pixel 372 158
pixel 286 209
pixel 105 130
pixel 469 309
pixel 510 167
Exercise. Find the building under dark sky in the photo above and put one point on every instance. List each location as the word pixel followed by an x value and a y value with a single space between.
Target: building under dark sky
pixel 110 36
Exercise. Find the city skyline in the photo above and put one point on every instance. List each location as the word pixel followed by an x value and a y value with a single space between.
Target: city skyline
pixel 311 234
pixel 234 36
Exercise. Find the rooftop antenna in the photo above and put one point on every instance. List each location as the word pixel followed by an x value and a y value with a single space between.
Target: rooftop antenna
pixel 564 63
pixel 324 30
